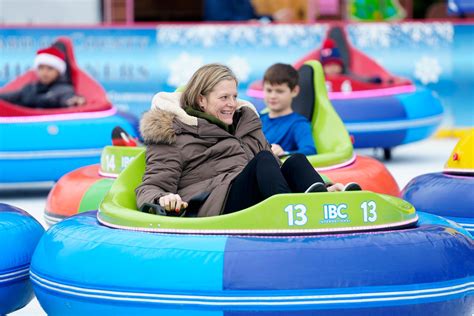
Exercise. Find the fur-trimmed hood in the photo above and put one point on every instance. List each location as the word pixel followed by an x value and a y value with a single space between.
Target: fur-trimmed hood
pixel 166 118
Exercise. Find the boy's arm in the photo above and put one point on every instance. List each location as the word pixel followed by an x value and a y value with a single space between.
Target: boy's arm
pixel 66 94
pixel 304 138
pixel 55 98
pixel 12 97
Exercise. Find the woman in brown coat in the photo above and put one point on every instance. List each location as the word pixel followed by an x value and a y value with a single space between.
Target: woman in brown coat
pixel 206 143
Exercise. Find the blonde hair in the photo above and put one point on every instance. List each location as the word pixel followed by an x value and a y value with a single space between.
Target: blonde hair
pixel 203 81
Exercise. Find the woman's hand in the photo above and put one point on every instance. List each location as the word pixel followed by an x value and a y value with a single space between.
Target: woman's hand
pixel 172 202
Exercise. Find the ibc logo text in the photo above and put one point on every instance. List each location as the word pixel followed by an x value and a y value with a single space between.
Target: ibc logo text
pixel 335 213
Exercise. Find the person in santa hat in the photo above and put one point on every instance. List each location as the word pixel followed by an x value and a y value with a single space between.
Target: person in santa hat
pixel 333 64
pixel 331 59
pixel 51 89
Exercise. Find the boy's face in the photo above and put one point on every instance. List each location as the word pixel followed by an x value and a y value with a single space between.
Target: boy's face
pixel 332 69
pixel 46 74
pixel 278 97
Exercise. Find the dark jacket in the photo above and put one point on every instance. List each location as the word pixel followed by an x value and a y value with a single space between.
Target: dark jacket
pixel 190 156
pixel 37 95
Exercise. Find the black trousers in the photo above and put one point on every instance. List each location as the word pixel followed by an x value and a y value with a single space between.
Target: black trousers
pixel 263 177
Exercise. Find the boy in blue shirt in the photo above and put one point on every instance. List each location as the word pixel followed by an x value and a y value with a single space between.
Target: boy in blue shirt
pixel 286 131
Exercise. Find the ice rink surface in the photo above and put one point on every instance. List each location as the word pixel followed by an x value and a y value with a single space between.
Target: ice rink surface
pixel 408 162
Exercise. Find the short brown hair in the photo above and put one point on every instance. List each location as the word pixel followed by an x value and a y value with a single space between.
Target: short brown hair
pixel 280 74
pixel 203 81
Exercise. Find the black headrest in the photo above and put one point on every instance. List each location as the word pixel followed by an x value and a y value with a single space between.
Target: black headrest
pixel 338 36
pixel 304 102
pixel 62 47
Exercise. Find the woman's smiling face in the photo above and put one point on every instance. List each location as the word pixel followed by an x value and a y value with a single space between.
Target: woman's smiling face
pixel 221 102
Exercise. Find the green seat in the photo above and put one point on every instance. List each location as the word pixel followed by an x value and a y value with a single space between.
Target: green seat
pixel 331 139
pixel 280 214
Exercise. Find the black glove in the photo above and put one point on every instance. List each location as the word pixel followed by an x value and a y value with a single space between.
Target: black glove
pixel 375 79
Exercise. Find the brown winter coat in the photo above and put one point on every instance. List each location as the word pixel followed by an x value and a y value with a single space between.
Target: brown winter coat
pixel 190 156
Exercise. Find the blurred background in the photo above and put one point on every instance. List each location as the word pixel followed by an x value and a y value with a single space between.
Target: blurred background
pixel 136 48
pixel 130 11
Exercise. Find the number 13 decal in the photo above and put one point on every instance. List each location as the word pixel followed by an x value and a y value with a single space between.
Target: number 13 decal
pixel 369 208
pixel 296 214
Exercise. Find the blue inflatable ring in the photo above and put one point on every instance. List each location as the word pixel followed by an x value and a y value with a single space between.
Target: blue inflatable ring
pixel 442 194
pixel 19 234
pixel 81 267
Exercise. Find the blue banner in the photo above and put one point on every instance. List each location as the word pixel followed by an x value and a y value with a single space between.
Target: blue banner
pixel 133 63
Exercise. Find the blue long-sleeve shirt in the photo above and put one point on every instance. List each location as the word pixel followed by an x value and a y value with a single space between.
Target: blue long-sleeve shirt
pixel 292 132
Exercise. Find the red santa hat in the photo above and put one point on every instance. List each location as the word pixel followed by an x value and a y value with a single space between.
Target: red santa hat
pixel 52 57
